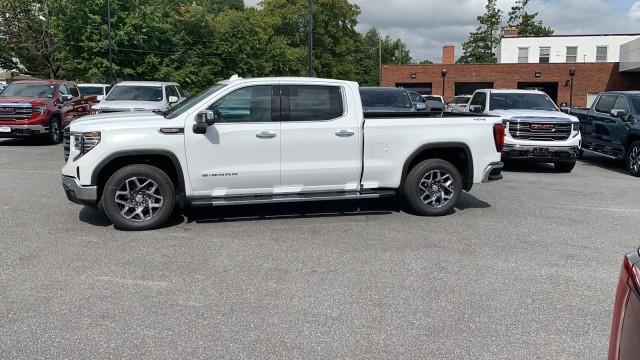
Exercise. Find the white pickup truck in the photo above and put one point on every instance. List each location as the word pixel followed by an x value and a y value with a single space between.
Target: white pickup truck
pixel 536 129
pixel 250 141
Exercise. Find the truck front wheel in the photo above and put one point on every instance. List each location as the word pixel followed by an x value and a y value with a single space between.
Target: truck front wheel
pixel 564 166
pixel 633 159
pixel 55 131
pixel 138 197
pixel 433 187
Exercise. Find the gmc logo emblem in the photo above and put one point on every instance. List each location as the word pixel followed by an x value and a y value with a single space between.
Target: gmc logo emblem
pixel 543 127
pixel 6 110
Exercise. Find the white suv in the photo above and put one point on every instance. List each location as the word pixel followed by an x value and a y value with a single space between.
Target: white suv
pixel 140 96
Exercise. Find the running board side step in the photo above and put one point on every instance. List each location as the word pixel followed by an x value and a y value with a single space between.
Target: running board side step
pixel 286 198
pixel 612 157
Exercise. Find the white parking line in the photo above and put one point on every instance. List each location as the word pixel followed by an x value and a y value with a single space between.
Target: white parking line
pixel 591 208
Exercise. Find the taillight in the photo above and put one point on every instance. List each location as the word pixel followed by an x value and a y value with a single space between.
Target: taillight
pixel 498 136
pixel 628 286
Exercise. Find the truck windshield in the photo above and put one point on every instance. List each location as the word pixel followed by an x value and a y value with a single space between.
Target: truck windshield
pixel 635 100
pixel 135 93
pixel 521 101
pixel 91 90
pixel 29 90
pixel 182 107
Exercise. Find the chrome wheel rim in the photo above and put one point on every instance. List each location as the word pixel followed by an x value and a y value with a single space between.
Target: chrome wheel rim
pixel 55 131
pixel 436 188
pixel 634 159
pixel 139 199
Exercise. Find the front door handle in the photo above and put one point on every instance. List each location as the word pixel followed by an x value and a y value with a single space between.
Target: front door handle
pixel 266 135
pixel 344 133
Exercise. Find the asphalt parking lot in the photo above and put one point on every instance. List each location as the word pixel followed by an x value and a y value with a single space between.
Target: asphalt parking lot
pixel 525 268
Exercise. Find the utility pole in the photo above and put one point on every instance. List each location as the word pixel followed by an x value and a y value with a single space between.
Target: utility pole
pixel 310 40
pixel 110 44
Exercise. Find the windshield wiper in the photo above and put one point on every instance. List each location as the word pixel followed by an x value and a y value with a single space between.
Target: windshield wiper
pixel 161 112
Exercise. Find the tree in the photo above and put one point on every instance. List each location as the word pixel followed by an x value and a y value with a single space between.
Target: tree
pixel 29 37
pixel 482 43
pixel 526 22
pixel 426 62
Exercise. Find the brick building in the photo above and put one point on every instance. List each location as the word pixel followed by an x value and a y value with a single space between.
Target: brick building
pixel 553 78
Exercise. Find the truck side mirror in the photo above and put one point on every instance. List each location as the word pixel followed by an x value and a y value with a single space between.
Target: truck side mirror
pixel 204 119
pixel 66 97
pixel 619 113
pixel 173 99
pixel 421 106
pixel 475 109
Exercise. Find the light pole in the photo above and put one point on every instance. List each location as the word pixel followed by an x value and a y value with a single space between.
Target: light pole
pixel 110 44
pixel 572 74
pixel 310 40
pixel 443 73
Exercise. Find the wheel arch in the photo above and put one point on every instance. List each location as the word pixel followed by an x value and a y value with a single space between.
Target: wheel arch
pixel 457 153
pixel 163 159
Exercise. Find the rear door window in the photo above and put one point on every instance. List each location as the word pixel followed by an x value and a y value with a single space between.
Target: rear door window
pixel 313 102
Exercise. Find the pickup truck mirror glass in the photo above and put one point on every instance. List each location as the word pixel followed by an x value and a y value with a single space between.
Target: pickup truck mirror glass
pixel 475 109
pixel 66 97
pixel 566 110
pixel 619 113
pixel 173 99
pixel 206 117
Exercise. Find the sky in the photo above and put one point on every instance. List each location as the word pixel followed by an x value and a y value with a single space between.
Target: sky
pixel 426 25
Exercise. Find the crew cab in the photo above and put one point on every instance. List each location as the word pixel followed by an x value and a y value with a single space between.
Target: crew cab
pixel 41 108
pixel 610 127
pixel 140 96
pixel 537 130
pixel 271 140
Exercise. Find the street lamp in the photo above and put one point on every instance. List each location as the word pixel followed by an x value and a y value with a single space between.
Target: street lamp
pixel 572 74
pixel 443 73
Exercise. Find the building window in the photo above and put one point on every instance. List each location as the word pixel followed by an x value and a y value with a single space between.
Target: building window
pixel 545 53
pixel 523 55
pixel 572 54
pixel 601 54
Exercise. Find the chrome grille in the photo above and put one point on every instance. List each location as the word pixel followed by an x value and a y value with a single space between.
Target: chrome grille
pixel 66 138
pixel 540 131
pixel 13 112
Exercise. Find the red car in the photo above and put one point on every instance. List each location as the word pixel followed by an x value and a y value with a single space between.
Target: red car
pixel 624 343
pixel 41 108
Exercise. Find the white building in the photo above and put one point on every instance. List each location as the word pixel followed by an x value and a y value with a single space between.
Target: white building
pixel 569 49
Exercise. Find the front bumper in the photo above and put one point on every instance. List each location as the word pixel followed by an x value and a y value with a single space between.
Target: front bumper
pixel 492 172
pixel 540 153
pixel 83 195
pixel 23 130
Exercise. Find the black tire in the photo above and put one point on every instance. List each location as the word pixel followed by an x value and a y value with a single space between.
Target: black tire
pixel 55 131
pixel 418 187
pixel 564 166
pixel 633 159
pixel 140 201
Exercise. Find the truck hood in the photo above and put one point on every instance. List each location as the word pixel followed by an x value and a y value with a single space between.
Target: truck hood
pixel 122 120
pixel 130 105
pixel 538 115
pixel 19 100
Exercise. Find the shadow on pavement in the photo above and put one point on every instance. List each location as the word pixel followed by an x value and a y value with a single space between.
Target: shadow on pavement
pixel 532 167
pixel 604 163
pixel 28 141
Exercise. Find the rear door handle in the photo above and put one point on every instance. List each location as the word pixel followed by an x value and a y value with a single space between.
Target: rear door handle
pixel 344 133
pixel 266 135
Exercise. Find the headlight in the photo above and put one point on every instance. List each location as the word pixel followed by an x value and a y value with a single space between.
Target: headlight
pixel 39 110
pixel 84 142
pixel 95 111
pixel 576 126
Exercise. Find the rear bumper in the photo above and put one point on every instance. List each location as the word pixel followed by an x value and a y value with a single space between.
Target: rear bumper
pixel 493 172
pixel 23 130
pixel 540 153
pixel 83 195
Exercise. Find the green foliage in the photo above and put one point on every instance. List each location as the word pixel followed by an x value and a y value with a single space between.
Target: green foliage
pixel 482 43
pixel 526 22
pixel 193 42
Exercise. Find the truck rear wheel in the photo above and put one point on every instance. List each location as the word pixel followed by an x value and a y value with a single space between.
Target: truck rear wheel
pixel 633 159
pixel 564 166
pixel 138 197
pixel 433 187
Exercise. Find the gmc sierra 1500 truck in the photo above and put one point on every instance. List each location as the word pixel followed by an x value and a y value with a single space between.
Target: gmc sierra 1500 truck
pixel 269 140
pixel 536 129
pixel 610 127
pixel 41 108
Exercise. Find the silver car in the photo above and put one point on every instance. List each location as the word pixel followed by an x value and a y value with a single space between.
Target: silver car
pixel 140 96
